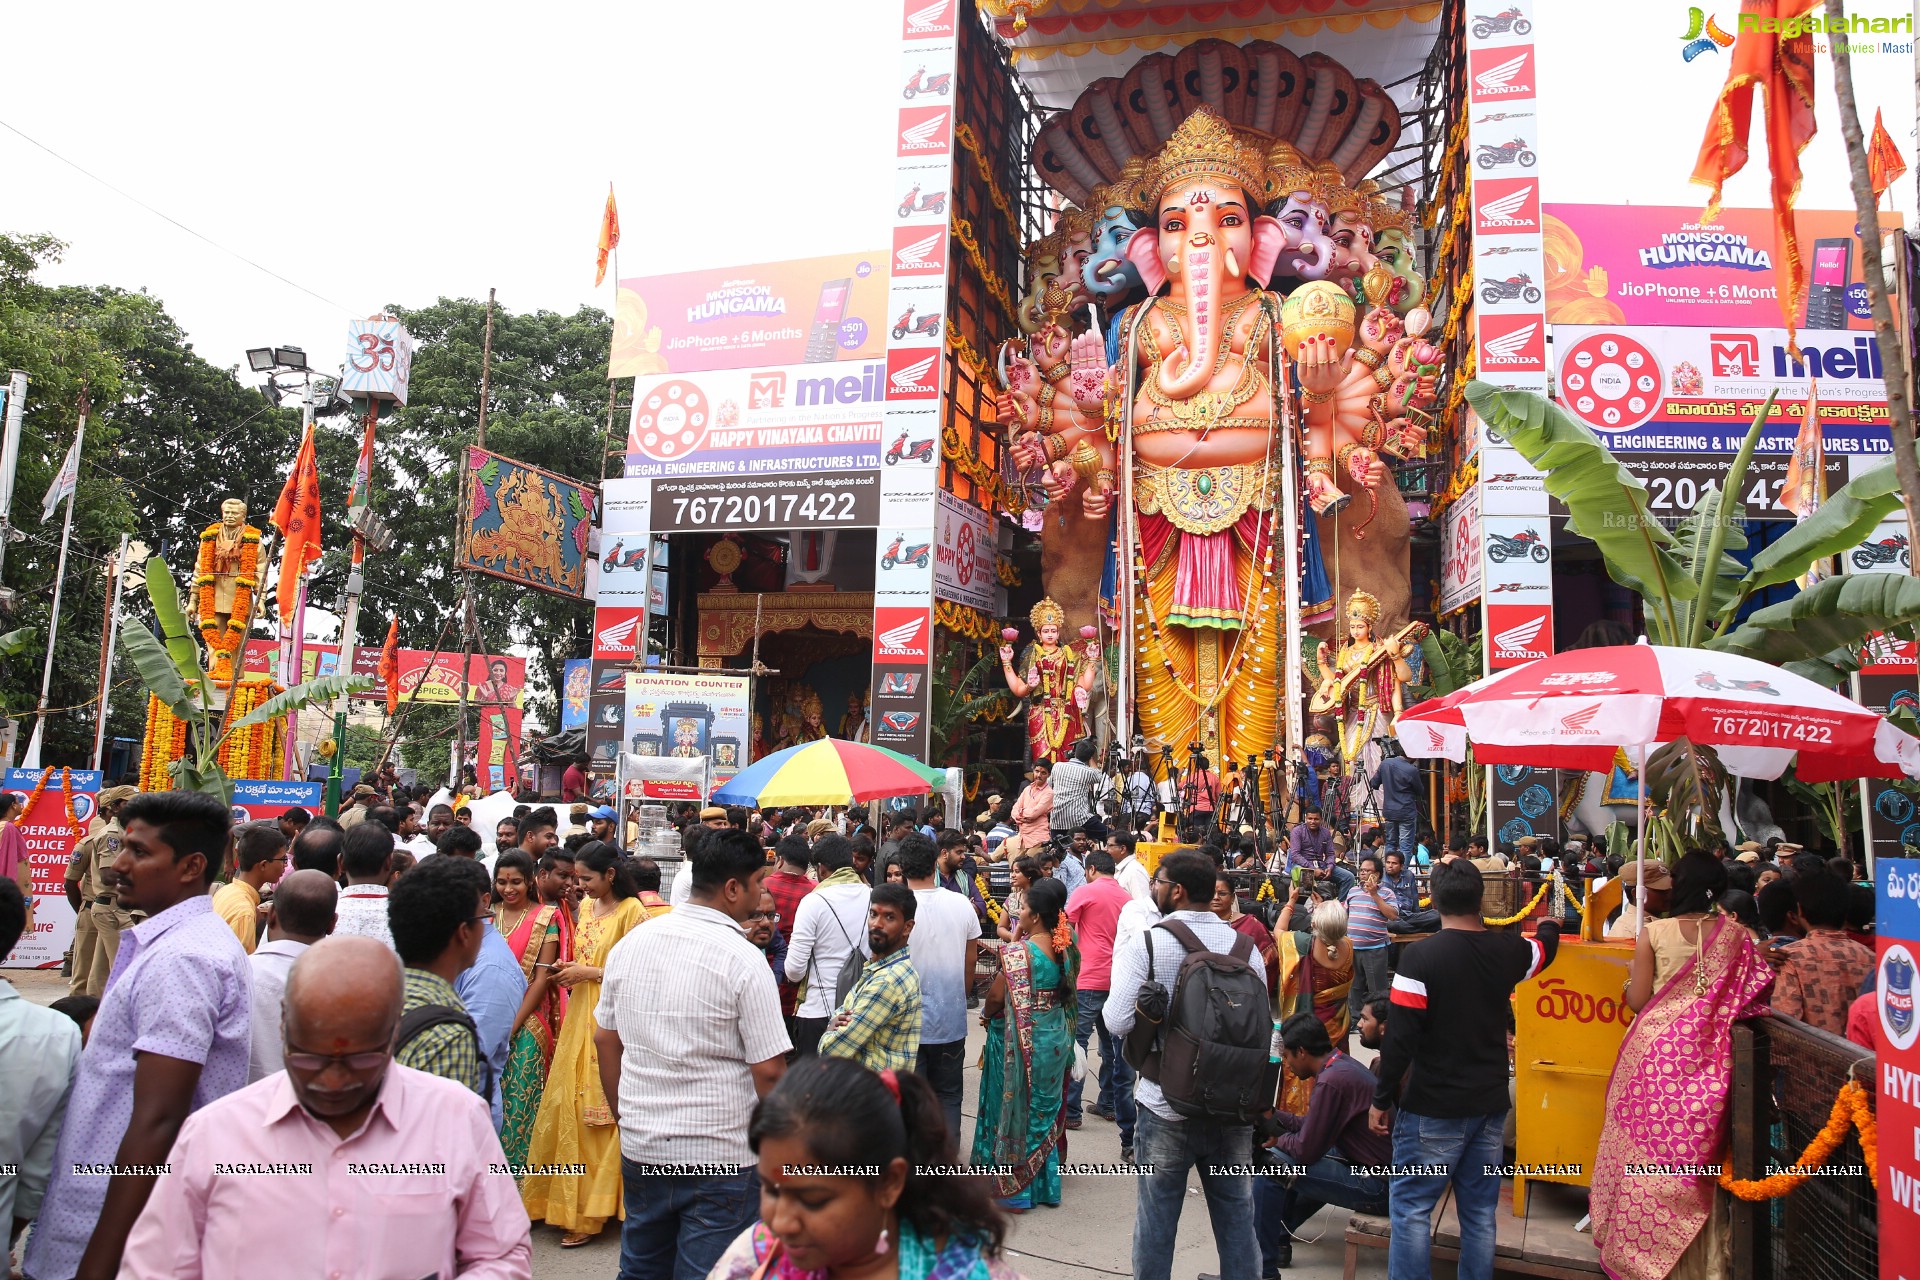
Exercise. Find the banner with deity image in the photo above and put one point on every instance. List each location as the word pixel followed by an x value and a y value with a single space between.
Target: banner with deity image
pixel 681 716
pixel 526 525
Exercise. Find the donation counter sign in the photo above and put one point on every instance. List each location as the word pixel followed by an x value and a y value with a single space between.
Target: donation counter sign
pixel 264 800
pixel 50 837
pixel 1897 1105
pixel 686 716
pixel 808 310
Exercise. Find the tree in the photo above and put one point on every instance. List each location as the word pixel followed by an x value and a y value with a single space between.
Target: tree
pixel 548 408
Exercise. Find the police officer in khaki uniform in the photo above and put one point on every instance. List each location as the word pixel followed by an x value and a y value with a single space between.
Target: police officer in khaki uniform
pixel 109 917
pixel 80 895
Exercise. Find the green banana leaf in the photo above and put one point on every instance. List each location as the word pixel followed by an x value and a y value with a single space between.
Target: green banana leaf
pixel 1843 521
pixel 1836 613
pixel 1606 502
pixel 15 643
pixel 174 630
pixel 1685 781
pixel 325 689
pixel 1694 537
pixel 188 775
pixel 1452 663
pixel 159 672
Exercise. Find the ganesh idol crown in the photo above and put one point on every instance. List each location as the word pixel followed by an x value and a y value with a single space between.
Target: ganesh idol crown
pixel 1255 340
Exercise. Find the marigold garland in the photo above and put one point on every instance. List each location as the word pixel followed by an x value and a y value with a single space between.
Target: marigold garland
pixel 996 287
pixel 1851 1109
pixel 964 620
pixel 164 742
pixel 1264 892
pixel 995 912
pixel 964 135
pixel 1521 914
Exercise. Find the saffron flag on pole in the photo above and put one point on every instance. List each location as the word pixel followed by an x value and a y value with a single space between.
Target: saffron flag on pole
pixel 1806 484
pixel 609 237
pixel 361 491
pixel 1773 51
pixel 297 517
pixel 68 478
pixel 390 663
pixel 1884 161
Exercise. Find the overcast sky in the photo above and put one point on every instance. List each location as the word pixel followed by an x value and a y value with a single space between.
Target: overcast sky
pixel 399 152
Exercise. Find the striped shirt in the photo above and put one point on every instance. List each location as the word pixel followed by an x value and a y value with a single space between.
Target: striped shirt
pixel 688 1045
pixel 1366 924
pixel 882 1030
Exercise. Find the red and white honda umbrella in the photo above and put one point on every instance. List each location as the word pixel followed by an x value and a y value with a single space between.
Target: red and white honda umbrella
pixel 1575 709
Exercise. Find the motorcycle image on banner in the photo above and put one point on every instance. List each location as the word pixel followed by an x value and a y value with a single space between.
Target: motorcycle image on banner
pixel 1501 548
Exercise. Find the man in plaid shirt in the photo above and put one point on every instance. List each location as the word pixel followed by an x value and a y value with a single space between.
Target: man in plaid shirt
pixel 438 915
pixel 879 1025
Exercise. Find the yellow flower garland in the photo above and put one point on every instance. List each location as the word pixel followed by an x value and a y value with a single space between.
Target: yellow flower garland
pixel 966 137
pixel 1850 1109
pixel 996 287
pixel 995 912
pixel 1521 914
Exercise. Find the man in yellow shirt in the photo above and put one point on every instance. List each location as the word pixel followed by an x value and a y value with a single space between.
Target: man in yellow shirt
pixel 260 848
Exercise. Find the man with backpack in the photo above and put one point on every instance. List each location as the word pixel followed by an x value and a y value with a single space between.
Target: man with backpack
pixel 438 915
pixel 1189 998
pixel 825 942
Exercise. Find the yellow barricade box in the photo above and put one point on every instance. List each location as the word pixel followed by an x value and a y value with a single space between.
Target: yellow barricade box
pixel 1569 1023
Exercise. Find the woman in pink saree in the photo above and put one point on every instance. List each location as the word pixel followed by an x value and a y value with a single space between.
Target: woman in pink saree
pixel 1667 1100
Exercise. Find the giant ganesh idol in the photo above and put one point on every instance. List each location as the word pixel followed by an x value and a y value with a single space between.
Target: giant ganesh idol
pixel 1180 446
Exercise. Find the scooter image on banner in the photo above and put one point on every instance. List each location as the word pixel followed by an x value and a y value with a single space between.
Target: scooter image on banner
pixel 1521 545
pixel 1885 551
pixel 918 451
pixel 1492 24
pixel 923 83
pixel 915 554
pixel 615 560
pixel 1520 286
pixel 906 324
pixel 1514 152
pixel 913 202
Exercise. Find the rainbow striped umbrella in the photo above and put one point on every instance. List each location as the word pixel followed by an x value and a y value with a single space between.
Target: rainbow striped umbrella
pixel 829 771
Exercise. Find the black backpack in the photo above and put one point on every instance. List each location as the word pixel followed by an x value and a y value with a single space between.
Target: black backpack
pixel 429 1016
pixel 1210 1058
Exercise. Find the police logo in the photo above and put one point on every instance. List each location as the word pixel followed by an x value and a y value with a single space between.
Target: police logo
pixel 1896 996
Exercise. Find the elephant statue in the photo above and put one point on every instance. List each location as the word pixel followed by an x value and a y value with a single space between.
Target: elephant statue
pixel 1108 274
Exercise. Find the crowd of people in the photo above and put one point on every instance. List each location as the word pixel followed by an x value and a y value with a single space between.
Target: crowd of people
pixel 411 1044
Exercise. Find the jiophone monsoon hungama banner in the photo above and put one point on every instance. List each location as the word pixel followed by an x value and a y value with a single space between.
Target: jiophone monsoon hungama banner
pixel 804 311
pixel 526 525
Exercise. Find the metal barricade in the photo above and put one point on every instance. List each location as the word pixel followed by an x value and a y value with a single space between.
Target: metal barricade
pixel 1785 1076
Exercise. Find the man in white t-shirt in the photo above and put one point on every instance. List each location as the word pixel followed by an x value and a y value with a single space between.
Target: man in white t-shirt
pixel 945 944
pixel 829 927
pixel 1134 878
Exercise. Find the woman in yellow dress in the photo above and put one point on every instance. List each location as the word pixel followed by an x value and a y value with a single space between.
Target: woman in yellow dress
pixel 574 1125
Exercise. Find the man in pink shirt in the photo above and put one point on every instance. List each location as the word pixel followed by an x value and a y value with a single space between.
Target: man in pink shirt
pixel 1094 911
pixel 349 1161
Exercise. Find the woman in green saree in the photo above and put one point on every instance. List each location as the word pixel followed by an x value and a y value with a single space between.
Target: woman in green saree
pixel 1029 1016
pixel 533 932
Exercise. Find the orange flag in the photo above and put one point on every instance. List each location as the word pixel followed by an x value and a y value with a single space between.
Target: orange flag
pixel 1781 62
pixel 297 517
pixel 1884 162
pixel 609 236
pixel 390 663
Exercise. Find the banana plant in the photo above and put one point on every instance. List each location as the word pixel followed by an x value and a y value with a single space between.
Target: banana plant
pixel 169 665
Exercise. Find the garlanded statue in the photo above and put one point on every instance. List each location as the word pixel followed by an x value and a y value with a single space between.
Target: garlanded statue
pixel 225 577
pixel 853 724
pixel 1174 451
pixel 1364 684
pixel 813 718
pixel 1058 680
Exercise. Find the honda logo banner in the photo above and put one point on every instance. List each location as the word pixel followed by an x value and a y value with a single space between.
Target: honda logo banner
pixel 616 632
pixel 1518 634
pixel 924 111
pixel 1503 138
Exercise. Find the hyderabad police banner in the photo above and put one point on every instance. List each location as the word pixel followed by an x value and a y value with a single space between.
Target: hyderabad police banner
pixel 1897 1102
pixel 50 830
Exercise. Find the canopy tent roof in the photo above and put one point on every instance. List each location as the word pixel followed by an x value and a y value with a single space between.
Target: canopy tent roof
pixel 1070 44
